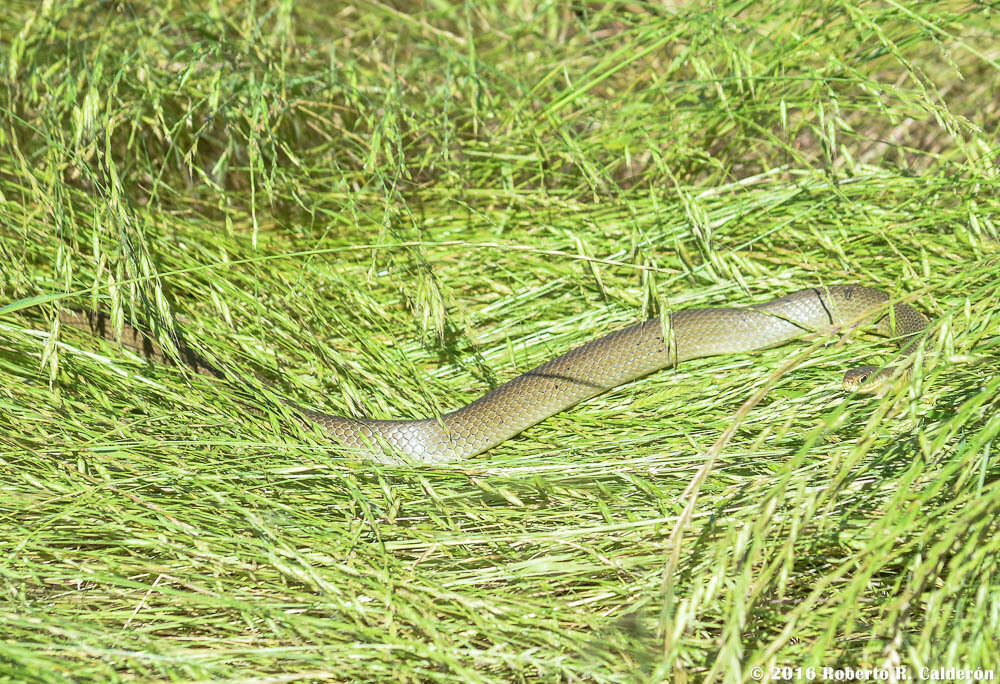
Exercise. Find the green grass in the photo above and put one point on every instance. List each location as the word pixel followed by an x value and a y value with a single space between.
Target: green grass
pixel 385 210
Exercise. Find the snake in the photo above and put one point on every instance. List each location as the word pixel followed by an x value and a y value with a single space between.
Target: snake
pixel 603 364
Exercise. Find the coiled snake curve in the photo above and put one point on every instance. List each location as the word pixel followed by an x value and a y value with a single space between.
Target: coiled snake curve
pixel 607 362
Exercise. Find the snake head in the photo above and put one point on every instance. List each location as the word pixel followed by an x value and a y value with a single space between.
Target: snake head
pixel 867 379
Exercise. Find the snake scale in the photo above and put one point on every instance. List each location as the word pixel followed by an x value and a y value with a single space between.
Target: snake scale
pixel 598 366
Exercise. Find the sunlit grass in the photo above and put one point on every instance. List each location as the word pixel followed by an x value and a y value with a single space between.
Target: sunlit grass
pixel 386 212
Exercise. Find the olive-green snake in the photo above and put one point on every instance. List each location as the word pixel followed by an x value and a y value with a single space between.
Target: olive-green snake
pixel 607 362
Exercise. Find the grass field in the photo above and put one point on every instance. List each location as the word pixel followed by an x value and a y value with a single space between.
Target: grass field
pixel 386 209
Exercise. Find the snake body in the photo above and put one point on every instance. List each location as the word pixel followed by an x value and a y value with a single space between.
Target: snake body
pixel 620 357
pixel 590 369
